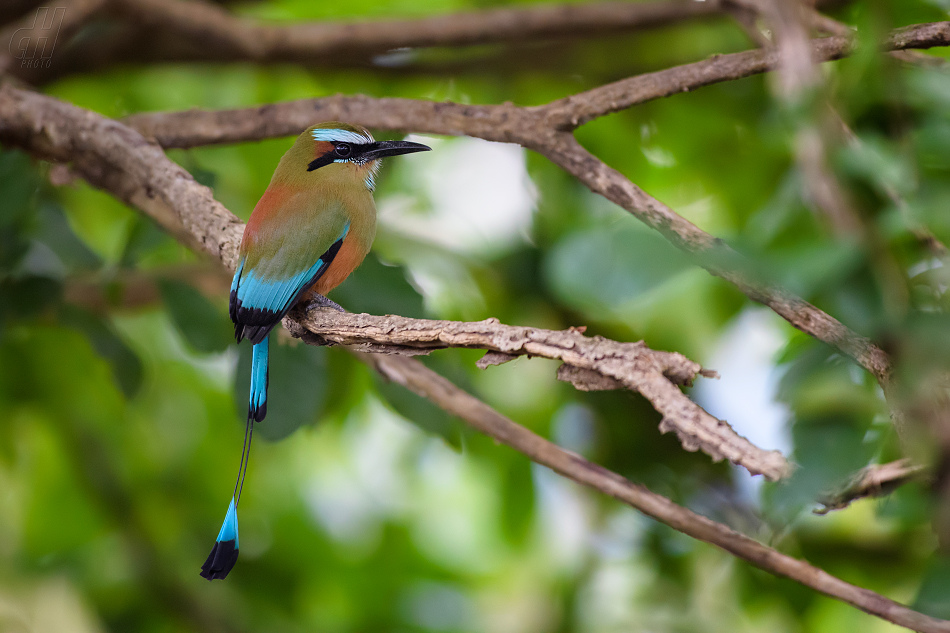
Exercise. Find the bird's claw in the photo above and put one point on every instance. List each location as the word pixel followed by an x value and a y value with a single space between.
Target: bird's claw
pixel 319 301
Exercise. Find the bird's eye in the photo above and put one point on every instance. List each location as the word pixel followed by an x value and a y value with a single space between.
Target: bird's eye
pixel 343 150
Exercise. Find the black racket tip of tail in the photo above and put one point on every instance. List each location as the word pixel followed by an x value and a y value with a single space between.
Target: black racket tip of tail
pixel 221 560
pixel 224 554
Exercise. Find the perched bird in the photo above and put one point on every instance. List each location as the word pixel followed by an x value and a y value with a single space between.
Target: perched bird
pixel 312 227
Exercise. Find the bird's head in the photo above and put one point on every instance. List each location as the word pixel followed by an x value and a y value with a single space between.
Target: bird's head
pixel 335 146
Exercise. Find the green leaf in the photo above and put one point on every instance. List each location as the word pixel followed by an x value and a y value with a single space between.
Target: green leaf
pixel 378 288
pixel 933 598
pixel 609 266
pixel 126 365
pixel 54 231
pixel 18 185
pixel 205 327
pixel 518 499
pixel 143 236
pixel 879 164
pixel 27 296
pixel 828 451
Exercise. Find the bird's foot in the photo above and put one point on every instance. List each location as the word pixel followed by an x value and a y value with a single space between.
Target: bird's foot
pixel 317 300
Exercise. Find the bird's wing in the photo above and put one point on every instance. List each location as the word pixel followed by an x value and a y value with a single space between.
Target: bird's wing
pixel 283 258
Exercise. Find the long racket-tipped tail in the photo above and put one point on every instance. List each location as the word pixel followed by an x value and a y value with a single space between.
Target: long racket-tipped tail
pixel 224 554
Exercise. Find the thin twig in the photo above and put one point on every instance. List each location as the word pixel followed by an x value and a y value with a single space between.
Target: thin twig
pixel 874 481
pixel 798 78
pixel 917 58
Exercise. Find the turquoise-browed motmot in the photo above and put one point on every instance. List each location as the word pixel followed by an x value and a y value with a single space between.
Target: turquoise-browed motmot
pixel 312 227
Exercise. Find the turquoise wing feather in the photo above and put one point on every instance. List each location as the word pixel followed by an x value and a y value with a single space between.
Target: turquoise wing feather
pixel 266 286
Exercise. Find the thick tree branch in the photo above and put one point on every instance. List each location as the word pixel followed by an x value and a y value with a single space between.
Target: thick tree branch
pixel 653 374
pixel 195 127
pixel 149 31
pixel 917 36
pixel 226 37
pixel 119 160
pixel 11 10
pixel 194 31
pixel 590 364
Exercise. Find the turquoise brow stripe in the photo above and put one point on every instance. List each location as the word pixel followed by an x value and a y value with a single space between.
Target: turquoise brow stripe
pixel 340 136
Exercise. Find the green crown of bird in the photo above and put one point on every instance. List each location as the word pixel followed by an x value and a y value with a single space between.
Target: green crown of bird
pixel 312 227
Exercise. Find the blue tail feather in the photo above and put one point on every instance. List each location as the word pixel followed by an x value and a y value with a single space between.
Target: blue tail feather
pixel 224 554
pixel 257 405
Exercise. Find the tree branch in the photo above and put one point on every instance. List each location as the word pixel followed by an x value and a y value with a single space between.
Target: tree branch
pixel 572 112
pixel 653 374
pixel 874 481
pixel 224 36
pixel 918 36
pixel 119 160
pixel 129 289
pixel 196 31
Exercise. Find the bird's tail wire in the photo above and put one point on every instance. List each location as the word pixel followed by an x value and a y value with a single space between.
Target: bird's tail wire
pixel 245 457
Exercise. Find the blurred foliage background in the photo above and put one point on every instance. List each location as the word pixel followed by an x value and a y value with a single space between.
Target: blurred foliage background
pixel 368 509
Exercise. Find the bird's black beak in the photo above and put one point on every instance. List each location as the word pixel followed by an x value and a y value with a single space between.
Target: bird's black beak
pixel 381 149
